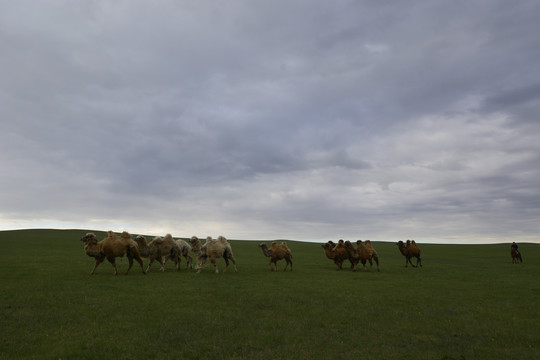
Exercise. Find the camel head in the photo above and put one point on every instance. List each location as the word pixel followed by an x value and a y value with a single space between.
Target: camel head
pixel 329 250
pixel 142 245
pixel 400 244
pixel 194 240
pixel 91 245
pixel 89 238
pixel 265 249
pixel 327 246
pixel 140 239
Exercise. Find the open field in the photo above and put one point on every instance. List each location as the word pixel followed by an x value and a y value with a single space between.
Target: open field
pixel 467 302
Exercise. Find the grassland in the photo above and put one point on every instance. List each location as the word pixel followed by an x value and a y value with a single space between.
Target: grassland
pixel 467 302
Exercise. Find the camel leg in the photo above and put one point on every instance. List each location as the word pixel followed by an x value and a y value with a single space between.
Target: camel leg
pixel 113 263
pixel 98 261
pixel 214 262
pixel 234 264
pixel 139 260
pixel 201 262
pixel 162 262
pixel 130 259
pixel 289 261
pixel 177 261
pixel 406 261
pixel 149 264
pixel 377 262
pixel 230 257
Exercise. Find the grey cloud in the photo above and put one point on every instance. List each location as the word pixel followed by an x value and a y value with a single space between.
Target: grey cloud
pixel 279 119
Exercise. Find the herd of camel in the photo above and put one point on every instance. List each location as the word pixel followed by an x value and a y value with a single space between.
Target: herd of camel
pixel 364 252
pixel 162 249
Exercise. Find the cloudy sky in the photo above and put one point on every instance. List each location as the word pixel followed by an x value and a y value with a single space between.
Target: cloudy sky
pixel 308 120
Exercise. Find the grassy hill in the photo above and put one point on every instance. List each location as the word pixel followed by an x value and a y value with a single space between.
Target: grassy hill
pixel 467 302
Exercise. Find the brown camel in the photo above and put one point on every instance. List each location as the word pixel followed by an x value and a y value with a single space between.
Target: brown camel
pixel 276 253
pixel 410 250
pixel 337 253
pixel 110 248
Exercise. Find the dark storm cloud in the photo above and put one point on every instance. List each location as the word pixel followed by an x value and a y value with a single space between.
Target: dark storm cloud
pixel 308 120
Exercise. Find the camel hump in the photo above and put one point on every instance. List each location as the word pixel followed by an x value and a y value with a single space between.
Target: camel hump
pixel 222 240
pixel 168 237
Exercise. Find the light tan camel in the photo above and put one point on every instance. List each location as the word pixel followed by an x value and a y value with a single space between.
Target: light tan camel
pixel 214 249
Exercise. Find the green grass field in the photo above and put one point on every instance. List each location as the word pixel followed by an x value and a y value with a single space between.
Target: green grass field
pixel 467 302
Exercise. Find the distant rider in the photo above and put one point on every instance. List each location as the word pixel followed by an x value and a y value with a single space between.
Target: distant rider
pixel 515 247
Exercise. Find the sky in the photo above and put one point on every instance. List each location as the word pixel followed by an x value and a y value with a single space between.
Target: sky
pixel 305 120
